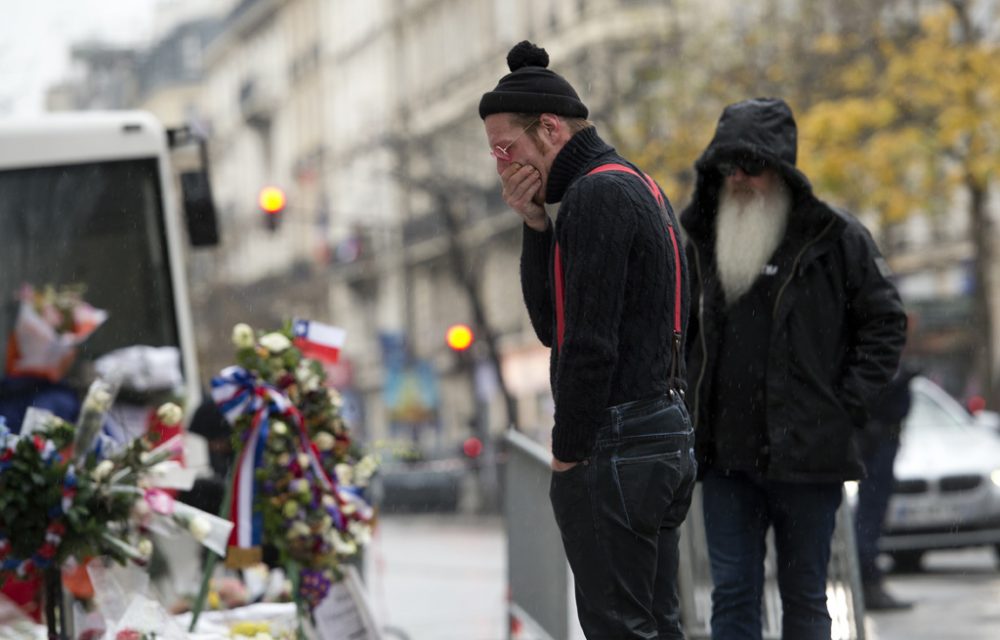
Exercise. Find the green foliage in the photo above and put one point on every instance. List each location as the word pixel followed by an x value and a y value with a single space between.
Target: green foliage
pixel 52 509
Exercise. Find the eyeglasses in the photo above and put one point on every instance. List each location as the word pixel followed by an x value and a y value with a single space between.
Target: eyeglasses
pixel 752 168
pixel 500 153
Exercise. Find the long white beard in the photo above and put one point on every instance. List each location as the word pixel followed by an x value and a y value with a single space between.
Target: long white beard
pixel 749 228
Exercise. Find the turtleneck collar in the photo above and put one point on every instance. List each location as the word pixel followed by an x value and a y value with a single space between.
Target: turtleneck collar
pixel 572 159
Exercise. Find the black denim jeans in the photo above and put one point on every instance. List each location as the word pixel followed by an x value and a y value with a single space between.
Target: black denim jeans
pixel 619 513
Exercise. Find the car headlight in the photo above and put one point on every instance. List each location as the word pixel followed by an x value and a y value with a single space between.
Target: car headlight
pixel 995 477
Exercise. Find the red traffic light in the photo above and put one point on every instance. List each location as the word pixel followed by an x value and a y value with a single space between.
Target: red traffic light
pixel 459 337
pixel 472 447
pixel 271 200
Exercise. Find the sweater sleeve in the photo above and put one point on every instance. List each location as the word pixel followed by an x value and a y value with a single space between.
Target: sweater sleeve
pixel 535 280
pixel 595 232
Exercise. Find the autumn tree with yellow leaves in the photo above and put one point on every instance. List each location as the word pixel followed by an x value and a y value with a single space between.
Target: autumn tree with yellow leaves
pixel 915 130
pixel 897 102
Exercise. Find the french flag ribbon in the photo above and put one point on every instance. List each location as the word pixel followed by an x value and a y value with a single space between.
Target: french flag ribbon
pixel 317 340
pixel 237 392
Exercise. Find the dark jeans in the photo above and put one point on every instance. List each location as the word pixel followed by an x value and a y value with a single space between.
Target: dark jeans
pixel 619 513
pixel 873 500
pixel 739 508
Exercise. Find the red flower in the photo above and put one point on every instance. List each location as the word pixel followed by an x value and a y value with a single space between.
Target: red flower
pixel 47 551
pixel 128 634
pixel 58 528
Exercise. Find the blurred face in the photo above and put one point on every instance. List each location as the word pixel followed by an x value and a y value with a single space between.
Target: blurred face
pixel 514 144
pixel 747 180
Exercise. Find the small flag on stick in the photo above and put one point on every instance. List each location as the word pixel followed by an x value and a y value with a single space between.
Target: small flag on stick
pixel 317 340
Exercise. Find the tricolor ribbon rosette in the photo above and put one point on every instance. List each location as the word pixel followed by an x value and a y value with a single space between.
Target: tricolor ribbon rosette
pixel 239 392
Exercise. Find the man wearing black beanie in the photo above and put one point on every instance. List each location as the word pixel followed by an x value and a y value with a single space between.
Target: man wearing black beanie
pixel 605 286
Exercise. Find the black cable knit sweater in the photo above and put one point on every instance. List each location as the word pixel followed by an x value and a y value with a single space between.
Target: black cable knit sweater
pixel 618 270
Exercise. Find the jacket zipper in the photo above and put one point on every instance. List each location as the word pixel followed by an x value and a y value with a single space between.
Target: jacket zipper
pixel 701 335
pixel 795 266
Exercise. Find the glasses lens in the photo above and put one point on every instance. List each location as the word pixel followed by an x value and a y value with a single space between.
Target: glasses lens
pixel 500 154
pixel 752 168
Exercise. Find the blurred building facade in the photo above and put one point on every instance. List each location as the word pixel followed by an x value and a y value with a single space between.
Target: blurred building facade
pixel 365 114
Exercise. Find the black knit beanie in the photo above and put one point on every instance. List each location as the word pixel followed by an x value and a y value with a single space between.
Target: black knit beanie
pixel 531 88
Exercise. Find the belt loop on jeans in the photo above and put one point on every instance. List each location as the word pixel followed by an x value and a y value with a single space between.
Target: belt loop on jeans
pixel 616 424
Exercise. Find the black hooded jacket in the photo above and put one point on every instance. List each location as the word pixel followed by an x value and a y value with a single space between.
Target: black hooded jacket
pixel 837 323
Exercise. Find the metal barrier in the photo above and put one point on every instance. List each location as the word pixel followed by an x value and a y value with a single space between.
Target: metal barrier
pixel 540 584
pixel 542 607
pixel 843 590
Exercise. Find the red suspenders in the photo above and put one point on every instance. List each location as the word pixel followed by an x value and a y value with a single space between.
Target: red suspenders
pixel 558 271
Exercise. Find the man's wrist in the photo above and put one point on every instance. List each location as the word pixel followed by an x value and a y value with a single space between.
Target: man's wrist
pixel 539 225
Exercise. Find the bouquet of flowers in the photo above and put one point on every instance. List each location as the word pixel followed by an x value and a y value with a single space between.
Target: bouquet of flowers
pixel 51 323
pixel 65 493
pixel 299 480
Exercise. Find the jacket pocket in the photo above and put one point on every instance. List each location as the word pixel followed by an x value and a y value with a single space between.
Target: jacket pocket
pixel 645 486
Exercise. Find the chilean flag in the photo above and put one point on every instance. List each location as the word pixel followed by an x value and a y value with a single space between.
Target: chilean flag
pixel 318 341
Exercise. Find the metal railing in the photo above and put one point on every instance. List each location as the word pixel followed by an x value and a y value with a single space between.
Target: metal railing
pixel 541 605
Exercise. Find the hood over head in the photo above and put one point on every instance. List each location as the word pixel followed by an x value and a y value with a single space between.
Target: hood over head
pixel 761 129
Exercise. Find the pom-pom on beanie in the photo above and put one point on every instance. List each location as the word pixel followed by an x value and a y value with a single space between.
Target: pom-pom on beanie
pixel 531 87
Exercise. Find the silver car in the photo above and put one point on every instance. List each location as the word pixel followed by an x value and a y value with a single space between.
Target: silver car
pixel 947 491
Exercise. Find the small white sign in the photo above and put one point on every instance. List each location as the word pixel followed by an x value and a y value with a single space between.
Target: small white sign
pixel 345 613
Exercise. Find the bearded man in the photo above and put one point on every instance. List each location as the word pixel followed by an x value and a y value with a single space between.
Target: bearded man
pixel 795 328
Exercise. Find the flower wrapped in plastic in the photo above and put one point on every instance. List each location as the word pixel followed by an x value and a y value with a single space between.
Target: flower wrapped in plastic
pixel 51 323
pixel 63 496
pixel 299 480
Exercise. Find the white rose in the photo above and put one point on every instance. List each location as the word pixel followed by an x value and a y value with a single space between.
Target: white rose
pixel 279 427
pixel 324 441
pixel 242 336
pixel 98 400
pixel 199 528
pixel 303 461
pixel 345 474
pixel 364 470
pixel 336 400
pixel 341 545
pixel 145 548
pixel 275 342
pixel 169 414
pixel 102 470
pixel 307 378
pixel 299 529
pixel 300 486
pixel 141 509
pixel 360 531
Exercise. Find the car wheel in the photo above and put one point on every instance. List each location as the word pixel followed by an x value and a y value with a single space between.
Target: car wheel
pixel 907 561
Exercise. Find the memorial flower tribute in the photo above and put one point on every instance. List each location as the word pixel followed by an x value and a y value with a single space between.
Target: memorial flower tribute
pixel 68 493
pixel 299 480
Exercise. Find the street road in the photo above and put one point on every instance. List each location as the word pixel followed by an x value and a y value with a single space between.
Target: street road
pixel 957 597
pixel 443 577
pixel 439 577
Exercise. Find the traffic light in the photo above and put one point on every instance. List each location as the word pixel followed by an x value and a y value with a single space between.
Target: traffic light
pixel 459 337
pixel 272 203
